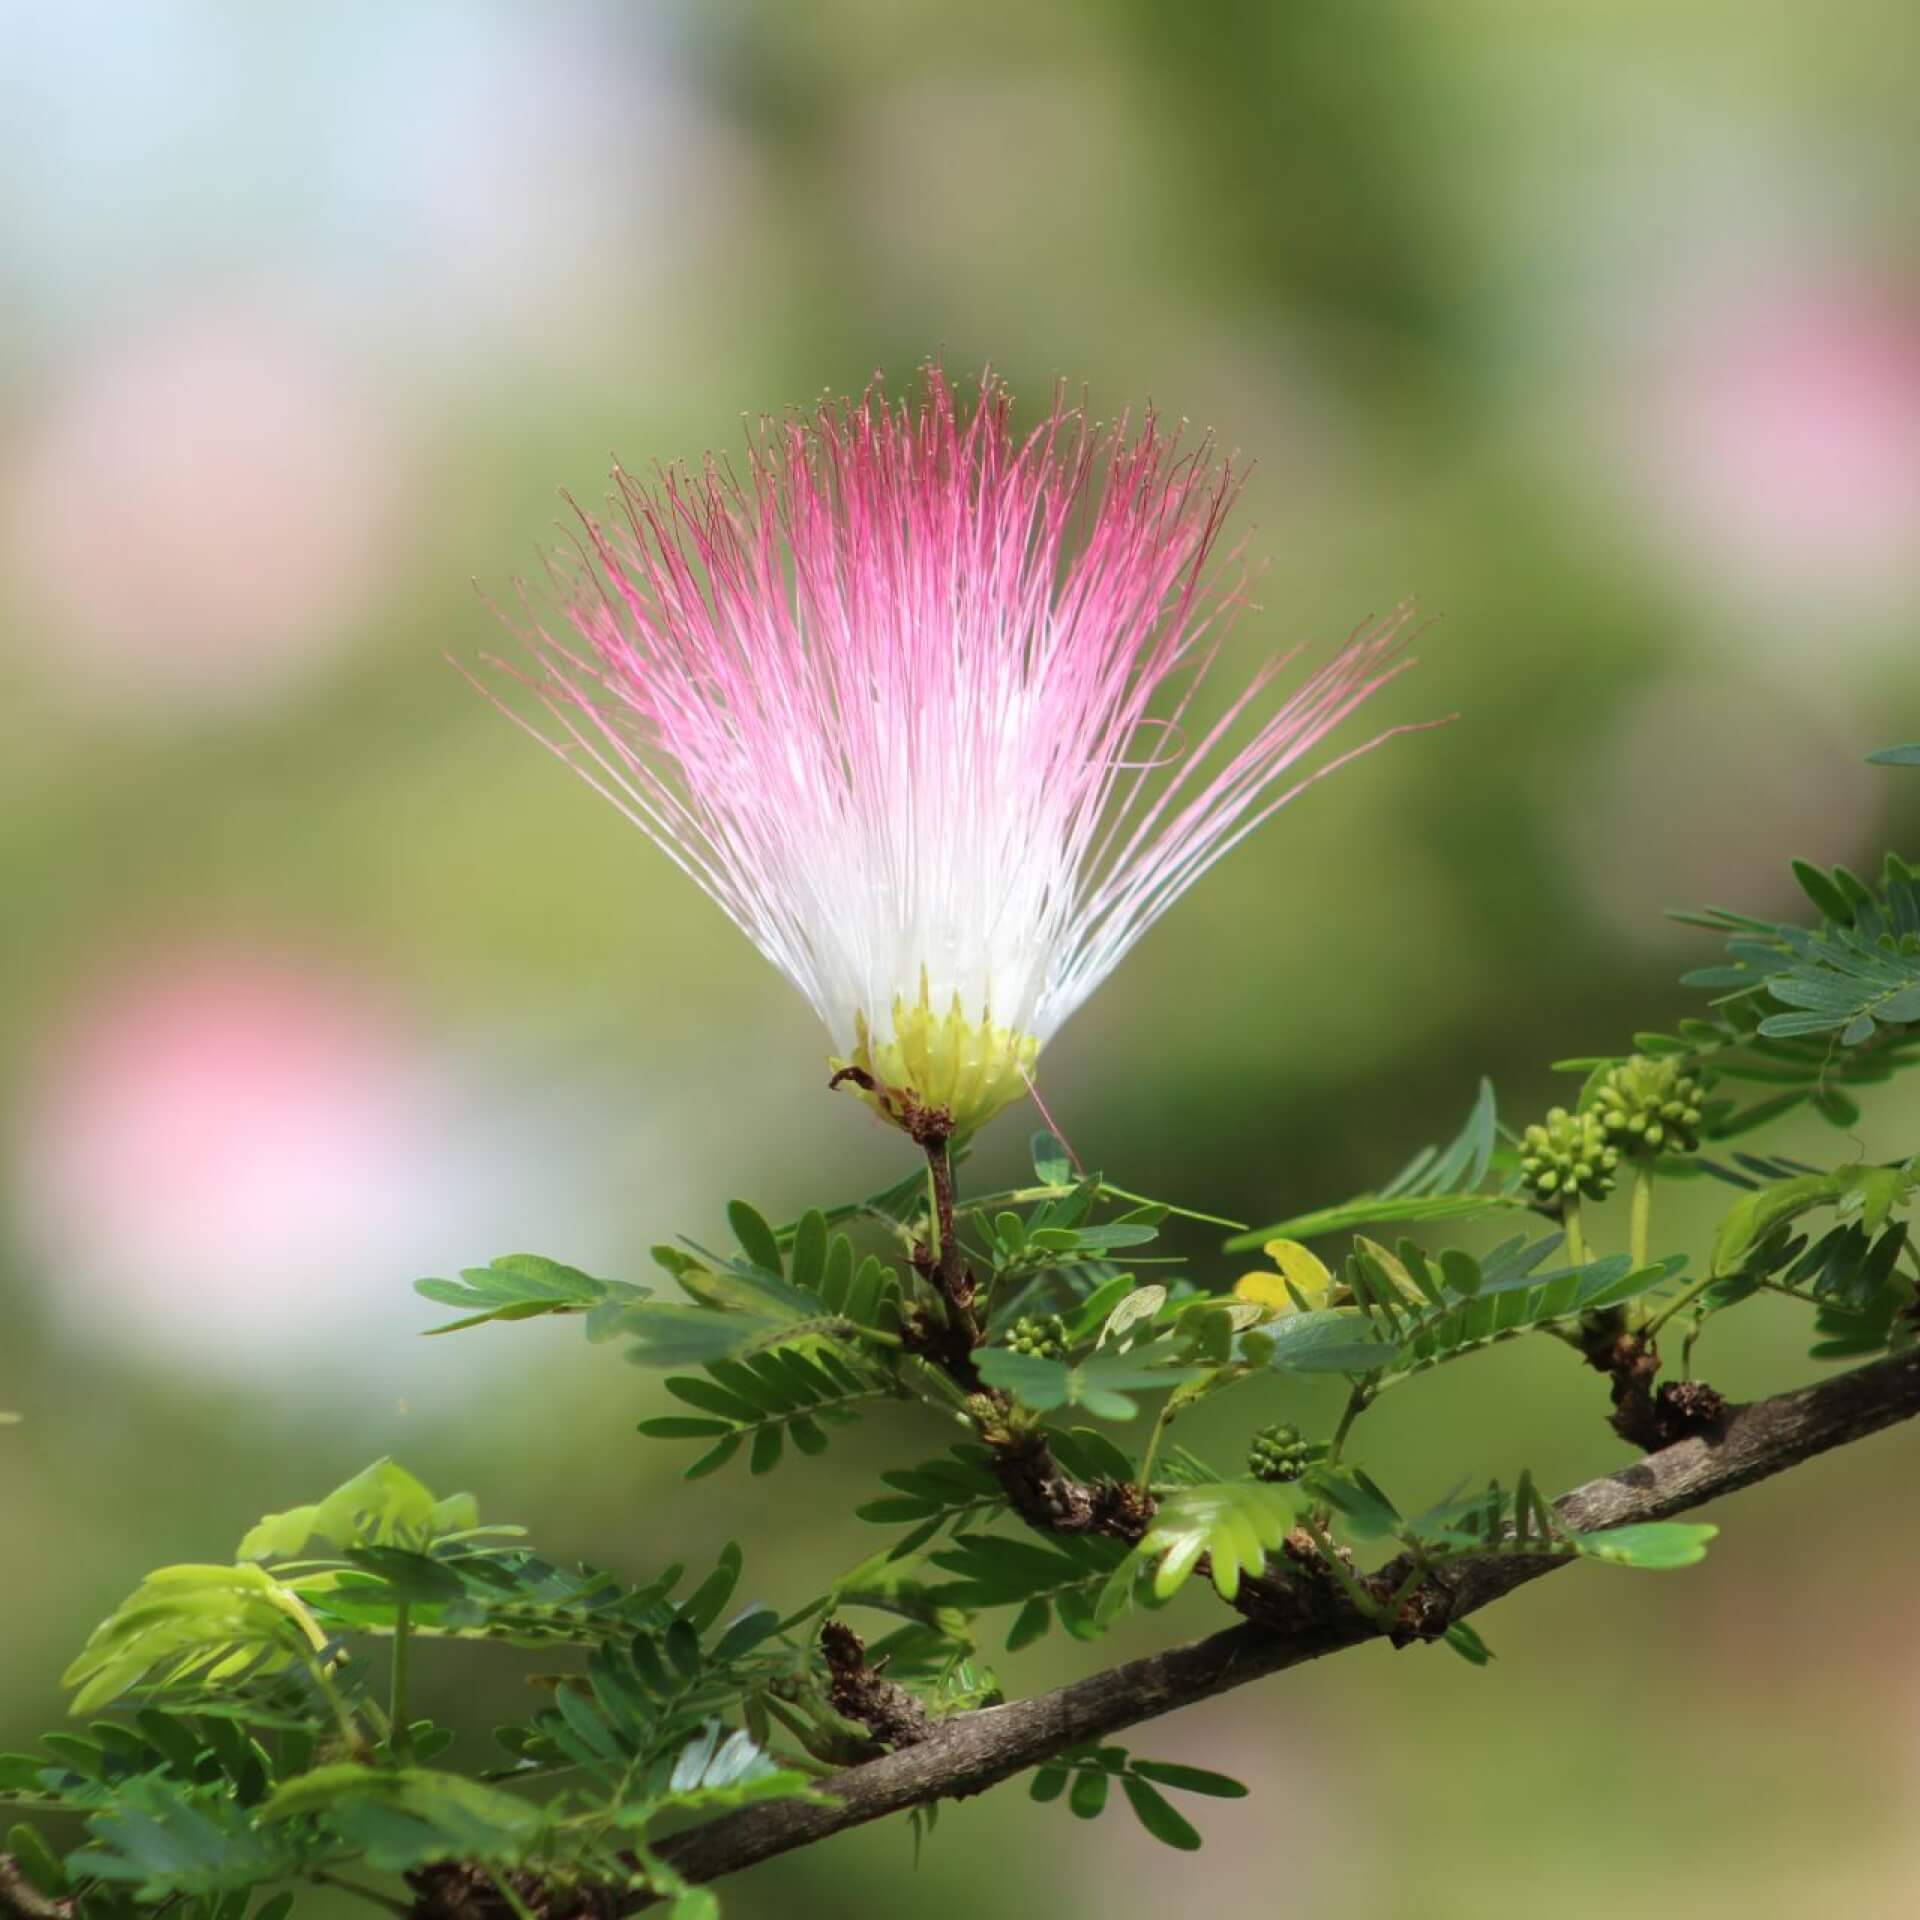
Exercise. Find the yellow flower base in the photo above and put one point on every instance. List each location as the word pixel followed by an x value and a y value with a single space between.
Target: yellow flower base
pixel 942 1062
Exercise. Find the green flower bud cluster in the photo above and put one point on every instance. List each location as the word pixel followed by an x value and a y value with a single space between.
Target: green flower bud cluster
pixel 1650 1107
pixel 1044 1335
pixel 1278 1453
pixel 1566 1158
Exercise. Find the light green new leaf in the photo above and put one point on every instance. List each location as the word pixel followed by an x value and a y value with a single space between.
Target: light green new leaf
pixel 523 1286
pixel 1653 1544
pixel 384 1505
pixel 209 1624
pixel 1235 1523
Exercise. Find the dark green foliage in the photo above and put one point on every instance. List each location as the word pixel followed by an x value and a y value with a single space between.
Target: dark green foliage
pixel 260 1746
pixel 1855 976
pixel 936 1495
pixel 1059 1579
pixel 1412 1309
pixel 766 1400
pixel 1084 1775
pixel 1473 1302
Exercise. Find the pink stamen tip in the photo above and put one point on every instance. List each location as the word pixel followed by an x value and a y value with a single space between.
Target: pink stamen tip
pixel 910 697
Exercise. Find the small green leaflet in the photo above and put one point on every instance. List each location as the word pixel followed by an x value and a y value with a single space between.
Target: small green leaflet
pixel 1655 1545
pixel 523 1286
pixel 1333 1340
pixel 1235 1523
pixel 1864 1193
pixel 167 1840
pixel 383 1506
pixel 1438 1183
pixel 1101 1383
pixel 1084 1774
pixel 785 1394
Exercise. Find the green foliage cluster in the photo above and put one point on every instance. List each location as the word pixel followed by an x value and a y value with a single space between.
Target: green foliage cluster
pixel 245 1728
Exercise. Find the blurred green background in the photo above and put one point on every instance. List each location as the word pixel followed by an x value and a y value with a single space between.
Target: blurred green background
pixel 1596 326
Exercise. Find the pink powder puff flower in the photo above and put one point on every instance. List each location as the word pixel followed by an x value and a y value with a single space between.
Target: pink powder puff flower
pixel 911 702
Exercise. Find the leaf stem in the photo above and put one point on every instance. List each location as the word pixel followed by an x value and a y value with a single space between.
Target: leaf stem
pixel 1576 1237
pixel 1640 1222
pixel 1161 1422
pixel 399 1734
pixel 1361 1598
pixel 1358 1401
pixel 949 1257
pixel 503 1883
pixel 1679 1303
pixel 342 1714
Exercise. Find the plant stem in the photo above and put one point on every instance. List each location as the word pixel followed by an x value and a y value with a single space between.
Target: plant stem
pixel 1678 1303
pixel 1368 1606
pixel 342 1714
pixel 399 1738
pixel 949 1258
pixel 1162 1421
pixel 1576 1238
pixel 1640 1223
pixel 504 1886
pixel 1358 1400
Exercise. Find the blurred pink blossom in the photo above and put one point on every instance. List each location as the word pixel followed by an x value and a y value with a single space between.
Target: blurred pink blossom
pixel 200 517
pixel 241 1158
pixel 1782 445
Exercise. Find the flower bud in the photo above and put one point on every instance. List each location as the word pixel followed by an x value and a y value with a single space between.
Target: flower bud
pixel 1650 1107
pixel 1567 1157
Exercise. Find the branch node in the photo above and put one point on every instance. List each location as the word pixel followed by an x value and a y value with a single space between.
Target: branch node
pixel 1643 1416
pixel 859 1691
pixel 21 1898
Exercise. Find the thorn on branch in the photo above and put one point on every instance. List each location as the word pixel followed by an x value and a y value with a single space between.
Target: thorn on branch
pixel 860 1692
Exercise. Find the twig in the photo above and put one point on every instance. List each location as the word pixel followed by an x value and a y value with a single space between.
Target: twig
pixel 22 1900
